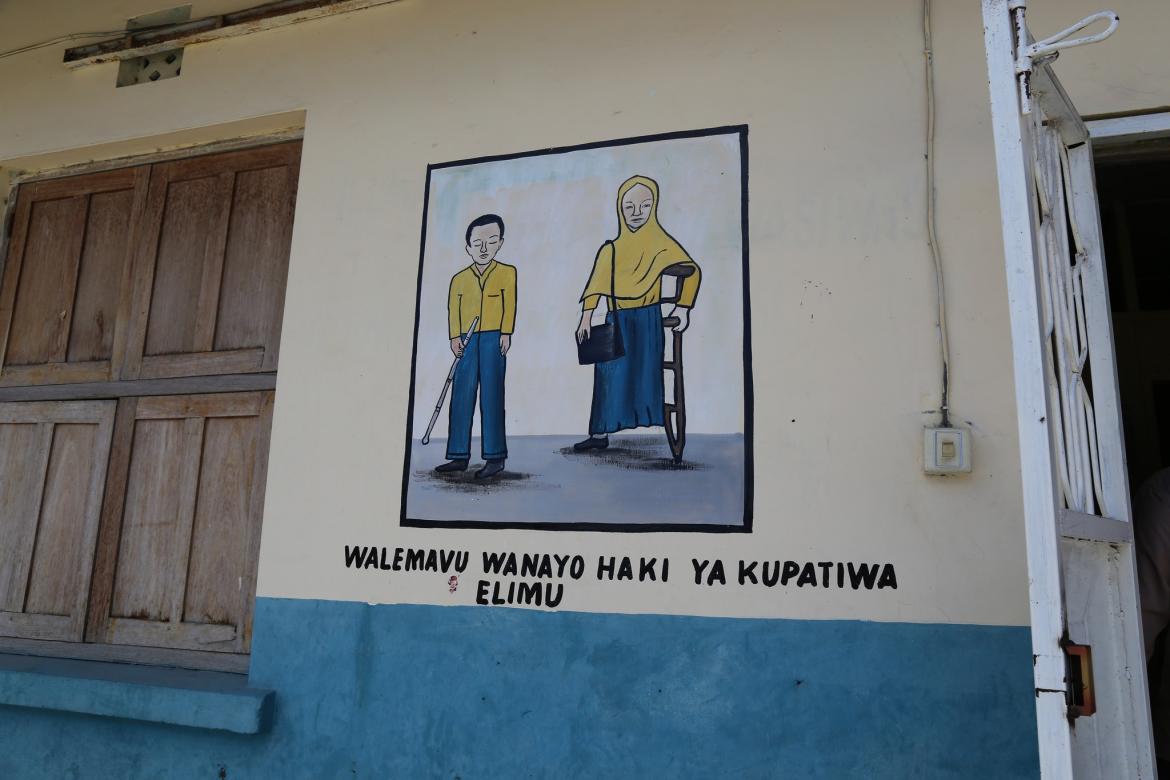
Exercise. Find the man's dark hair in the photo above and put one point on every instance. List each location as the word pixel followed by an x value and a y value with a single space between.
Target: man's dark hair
pixel 486 219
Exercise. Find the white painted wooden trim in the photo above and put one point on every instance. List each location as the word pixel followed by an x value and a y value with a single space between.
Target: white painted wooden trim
pixel 1057 106
pixel 1126 129
pixel 1141 739
pixel 1099 326
pixel 1078 525
pixel 1111 454
pixel 1017 208
pixel 1117 741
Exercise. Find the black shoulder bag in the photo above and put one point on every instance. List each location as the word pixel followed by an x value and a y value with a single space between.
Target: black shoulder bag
pixel 605 341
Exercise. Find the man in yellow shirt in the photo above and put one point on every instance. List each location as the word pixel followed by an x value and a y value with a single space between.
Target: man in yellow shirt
pixel 485 289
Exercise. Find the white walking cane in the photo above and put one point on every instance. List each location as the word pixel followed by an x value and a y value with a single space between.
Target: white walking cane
pixel 446 385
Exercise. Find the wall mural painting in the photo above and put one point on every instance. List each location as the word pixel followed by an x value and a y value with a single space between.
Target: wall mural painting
pixel 589 305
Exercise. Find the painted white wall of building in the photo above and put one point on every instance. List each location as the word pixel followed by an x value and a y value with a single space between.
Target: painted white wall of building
pixel 833 94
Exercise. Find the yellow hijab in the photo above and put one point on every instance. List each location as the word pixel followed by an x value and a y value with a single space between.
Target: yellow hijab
pixel 639 255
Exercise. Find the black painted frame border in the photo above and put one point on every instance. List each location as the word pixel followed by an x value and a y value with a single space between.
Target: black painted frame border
pixel 748 395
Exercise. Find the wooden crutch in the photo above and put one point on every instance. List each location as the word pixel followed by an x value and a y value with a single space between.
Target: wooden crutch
pixel 675 411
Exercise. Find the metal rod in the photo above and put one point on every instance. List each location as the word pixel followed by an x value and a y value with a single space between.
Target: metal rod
pixel 1062 39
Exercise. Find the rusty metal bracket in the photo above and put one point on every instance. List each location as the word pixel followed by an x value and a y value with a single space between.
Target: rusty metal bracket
pixel 1082 697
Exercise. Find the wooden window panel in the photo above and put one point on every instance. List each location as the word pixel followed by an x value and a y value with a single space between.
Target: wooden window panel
pixel 65 289
pixel 181 522
pixel 145 284
pixel 53 458
pixel 211 271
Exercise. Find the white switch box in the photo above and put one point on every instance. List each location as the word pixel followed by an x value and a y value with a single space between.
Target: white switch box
pixel 946 451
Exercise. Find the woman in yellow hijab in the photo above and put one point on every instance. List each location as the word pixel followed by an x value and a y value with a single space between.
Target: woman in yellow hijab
pixel 628 391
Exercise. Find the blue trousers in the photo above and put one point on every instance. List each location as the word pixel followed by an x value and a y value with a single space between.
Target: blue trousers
pixel 480 369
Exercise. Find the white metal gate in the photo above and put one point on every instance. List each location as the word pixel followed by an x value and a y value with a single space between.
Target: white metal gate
pixel 1093 721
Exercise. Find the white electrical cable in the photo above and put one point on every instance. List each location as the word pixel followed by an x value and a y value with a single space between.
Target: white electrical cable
pixel 931 220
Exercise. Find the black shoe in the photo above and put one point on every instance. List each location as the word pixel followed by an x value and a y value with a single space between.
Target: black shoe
pixel 592 443
pixel 451 466
pixel 490 469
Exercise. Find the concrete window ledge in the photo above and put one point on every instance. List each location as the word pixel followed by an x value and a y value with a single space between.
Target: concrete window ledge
pixel 205 700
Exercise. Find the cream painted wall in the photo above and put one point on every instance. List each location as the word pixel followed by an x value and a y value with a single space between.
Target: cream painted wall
pixel 833 94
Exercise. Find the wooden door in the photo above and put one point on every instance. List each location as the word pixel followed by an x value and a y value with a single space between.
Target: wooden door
pixel 53 458
pixel 212 264
pixel 181 522
pixel 1093 718
pixel 66 283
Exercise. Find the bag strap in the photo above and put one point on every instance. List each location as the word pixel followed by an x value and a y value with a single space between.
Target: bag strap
pixel 613 280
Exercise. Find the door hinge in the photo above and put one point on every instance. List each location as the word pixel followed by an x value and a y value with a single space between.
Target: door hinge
pixel 1082 698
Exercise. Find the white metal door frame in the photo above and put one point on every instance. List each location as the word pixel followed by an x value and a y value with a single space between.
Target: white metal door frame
pixel 1072 460
pixel 1036 462
pixel 1128 129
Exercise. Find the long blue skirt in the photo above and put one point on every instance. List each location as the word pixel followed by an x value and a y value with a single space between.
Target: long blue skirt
pixel 628 391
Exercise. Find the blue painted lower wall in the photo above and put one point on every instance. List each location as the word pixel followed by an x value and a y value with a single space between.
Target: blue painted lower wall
pixel 475 692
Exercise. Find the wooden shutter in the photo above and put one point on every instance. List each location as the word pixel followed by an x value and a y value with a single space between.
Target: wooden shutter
pixel 53 459
pixel 65 277
pixel 181 522
pixel 136 522
pixel 212 265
